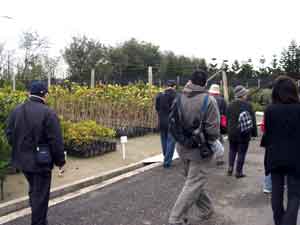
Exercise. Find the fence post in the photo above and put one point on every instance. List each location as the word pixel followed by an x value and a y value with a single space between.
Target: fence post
pixel 93 78
pixel 178 81
pixel 258 83
pixel 49 80
pixel 14 81
pixel 150 75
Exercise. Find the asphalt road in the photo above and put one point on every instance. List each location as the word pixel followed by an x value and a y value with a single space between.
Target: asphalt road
pixel 146 199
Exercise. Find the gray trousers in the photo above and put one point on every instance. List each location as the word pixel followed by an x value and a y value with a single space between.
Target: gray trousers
pixel 193 194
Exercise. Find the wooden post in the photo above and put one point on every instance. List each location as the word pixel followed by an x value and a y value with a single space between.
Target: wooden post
pixel 225 86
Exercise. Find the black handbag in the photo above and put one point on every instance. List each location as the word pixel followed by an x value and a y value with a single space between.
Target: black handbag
pixel 42 152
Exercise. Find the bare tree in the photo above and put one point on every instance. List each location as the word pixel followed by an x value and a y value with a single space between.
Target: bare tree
pixel 35 48
pixel 50 65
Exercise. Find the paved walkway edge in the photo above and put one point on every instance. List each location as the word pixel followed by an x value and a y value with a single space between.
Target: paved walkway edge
pixel 23 202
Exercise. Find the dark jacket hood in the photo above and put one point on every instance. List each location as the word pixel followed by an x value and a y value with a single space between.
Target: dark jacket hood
pixel 191 90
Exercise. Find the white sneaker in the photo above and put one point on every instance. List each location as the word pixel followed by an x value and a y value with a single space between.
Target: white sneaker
pixel 267 191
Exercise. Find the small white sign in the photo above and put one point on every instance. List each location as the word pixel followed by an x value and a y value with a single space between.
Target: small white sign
pixel 124 139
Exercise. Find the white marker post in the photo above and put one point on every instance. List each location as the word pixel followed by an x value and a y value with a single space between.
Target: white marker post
pixel 123 140
pixel 150 76
pixel 93 78
pixel 49 80
pixel 14 82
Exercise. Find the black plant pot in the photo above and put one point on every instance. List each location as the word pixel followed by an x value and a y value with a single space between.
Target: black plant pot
pixel 94 148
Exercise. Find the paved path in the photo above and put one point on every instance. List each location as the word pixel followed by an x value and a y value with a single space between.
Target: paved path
pixel 146 199
pixel 138 149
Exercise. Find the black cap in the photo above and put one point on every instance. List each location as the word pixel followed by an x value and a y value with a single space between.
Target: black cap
pixel 38 88
pixel 171 83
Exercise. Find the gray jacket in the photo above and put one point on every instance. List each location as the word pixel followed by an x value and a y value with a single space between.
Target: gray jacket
pixel 192 100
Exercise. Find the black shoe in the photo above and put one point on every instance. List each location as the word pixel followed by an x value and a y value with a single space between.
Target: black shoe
pixel 175 224
pixel 240 175
pixel 186 221
pixel 220 163
pixel 229 172
pixel 167 166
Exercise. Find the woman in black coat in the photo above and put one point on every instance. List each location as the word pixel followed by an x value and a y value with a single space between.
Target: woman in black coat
pixel 282 138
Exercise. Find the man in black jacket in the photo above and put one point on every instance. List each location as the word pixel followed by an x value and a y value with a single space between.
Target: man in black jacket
pixel 30 125
pixel 163 105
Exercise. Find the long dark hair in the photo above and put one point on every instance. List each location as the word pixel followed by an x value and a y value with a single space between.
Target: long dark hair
pixel 285 91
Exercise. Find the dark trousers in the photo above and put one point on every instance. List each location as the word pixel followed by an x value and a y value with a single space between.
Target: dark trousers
pixel 168 147
pixel 39 191
pixel 286 216
pixel 239 150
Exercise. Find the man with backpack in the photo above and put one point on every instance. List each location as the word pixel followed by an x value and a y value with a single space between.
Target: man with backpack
pixel 194 123
pixel 241 127
pixel 34 132
pixel 163 105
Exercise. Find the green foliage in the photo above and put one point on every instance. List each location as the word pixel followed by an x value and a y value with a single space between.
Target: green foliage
pixel 257 107
pixel 140 94
pixel 84 132
pixel 81 56
pixel 9 100
pixel 128 61
pixel 172 65
pixel 290 59
pixel 262 97
pixel 4 154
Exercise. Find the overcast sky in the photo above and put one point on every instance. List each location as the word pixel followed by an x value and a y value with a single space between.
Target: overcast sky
pixel 225 29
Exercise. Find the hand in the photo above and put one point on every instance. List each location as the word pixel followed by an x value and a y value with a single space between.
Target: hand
pixel 61 171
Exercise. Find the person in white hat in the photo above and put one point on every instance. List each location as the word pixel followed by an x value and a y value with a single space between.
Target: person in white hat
pixel 214 91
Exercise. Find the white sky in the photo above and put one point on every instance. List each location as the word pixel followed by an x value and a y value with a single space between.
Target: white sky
pixel 225 29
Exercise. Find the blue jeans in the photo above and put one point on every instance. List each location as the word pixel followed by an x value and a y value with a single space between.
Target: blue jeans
pixel 268 183
pixel 168 147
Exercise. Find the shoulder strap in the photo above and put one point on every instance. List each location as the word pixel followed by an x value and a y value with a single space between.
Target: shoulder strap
pixel 205 104
pixel 203 112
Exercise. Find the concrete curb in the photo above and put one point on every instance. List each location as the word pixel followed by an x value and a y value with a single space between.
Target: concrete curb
pixel 21 203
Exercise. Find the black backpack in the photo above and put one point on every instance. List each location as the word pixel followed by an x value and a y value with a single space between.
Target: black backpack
pixel 192 137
